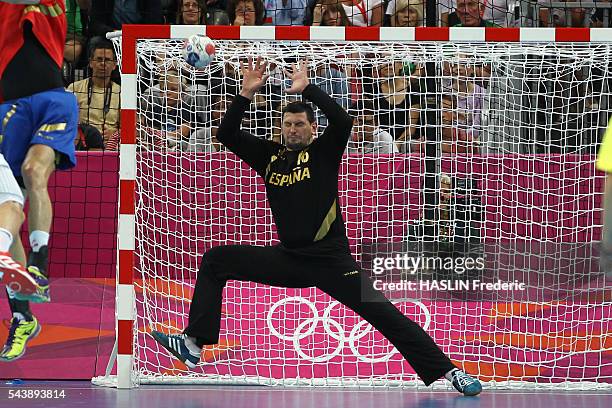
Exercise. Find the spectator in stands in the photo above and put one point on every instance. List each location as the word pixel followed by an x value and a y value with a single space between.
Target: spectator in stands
pixel 363 13
pixel 75 36
pixel 562 16
pixel 368 137
pixel 216 12
pixel 445 226
pixel 599 16
pixel 498 12
pixel 359 13
pixel 405 13
pixel 191 12
pixel 88 138
pixel 459 134
pixel 110 15
pixel 98 96
pixel 578 18
pixel 470 14
pixel 398 99
pixel 205 139
pixel 329 13
pixel 168 113
pixel 286 12
pixel 246 12
pixel 469 95
pixel 200 12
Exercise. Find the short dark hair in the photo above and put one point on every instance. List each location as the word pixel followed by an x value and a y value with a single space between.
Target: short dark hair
pixel 299 107
pixel 102 44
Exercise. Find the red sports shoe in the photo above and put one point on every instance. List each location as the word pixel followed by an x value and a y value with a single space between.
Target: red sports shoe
pixel 15 276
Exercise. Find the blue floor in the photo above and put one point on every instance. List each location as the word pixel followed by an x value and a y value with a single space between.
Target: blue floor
pixel 83 394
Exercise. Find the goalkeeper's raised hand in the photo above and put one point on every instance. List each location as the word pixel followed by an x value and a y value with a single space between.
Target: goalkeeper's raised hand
pixel 299 77
pixel 253 77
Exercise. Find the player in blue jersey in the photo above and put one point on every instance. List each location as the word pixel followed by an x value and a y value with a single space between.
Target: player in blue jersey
pixel 38 120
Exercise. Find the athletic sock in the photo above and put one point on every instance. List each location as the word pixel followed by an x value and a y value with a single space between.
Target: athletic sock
pixel 6 240
pixel 194 350
pixel 38 239
pixel 19 316
pixel 19 308
pixel 449 375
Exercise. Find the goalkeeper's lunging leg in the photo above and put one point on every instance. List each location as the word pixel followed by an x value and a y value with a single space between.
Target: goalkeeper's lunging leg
pixel 267 265
pixel 356 291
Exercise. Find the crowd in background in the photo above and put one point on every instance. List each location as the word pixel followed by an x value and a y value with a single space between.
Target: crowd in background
pixel 90 68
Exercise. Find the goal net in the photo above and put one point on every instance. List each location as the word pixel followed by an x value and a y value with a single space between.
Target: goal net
pixel 460 149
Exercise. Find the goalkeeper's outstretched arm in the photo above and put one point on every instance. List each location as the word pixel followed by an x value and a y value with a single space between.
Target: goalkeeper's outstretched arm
pixel 340 122
pixel 254 151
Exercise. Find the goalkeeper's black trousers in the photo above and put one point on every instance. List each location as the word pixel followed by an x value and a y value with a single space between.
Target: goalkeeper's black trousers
pixel 329 267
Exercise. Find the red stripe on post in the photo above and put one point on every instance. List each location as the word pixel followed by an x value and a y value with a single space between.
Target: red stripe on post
pixel 223 32
pixel 143 31
pixel 129 34
pixel 126 192
pixel 499 34
pixel 126 267
pixel 128 126
pixel 125 336
pixel 362 34
pixel 292 33
pixel 432 34
pixel 128 52
pixel 573 34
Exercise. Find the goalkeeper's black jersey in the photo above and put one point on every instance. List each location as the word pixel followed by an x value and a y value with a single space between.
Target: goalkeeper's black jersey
pixel 302 186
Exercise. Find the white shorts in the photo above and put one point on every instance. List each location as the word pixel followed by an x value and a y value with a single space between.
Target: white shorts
pixel 9 189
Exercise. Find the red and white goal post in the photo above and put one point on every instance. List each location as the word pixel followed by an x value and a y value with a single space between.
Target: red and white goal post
pixel 512 117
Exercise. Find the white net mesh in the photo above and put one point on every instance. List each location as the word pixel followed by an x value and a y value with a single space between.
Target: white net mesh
pixel 488 143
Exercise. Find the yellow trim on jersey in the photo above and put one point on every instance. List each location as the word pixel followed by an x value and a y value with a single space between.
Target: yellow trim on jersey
pixel 52 127
pixel 8 115
pixel 6 119
pixel 272 160
pixel 327 222
pixel 53 11
pixel 604 158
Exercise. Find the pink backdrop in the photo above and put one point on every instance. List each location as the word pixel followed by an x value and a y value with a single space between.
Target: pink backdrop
pixel 84 232
pixel 557 189
pixel 547 197
pixel 551 198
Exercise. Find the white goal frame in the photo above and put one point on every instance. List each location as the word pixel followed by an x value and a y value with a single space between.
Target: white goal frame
pixel 125 294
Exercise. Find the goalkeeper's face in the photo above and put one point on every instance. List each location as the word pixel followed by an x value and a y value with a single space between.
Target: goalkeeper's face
pixel 297 130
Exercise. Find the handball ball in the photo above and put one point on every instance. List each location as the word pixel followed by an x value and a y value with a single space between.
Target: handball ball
pixel 198 51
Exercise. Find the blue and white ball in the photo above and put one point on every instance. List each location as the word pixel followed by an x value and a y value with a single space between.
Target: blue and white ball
pixel 199 51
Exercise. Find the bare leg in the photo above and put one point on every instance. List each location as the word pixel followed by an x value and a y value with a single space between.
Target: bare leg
pixel 11 217
pixel 37 167
pixel 17 250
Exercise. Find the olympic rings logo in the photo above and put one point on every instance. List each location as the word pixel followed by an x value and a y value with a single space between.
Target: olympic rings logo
pixel 356 333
